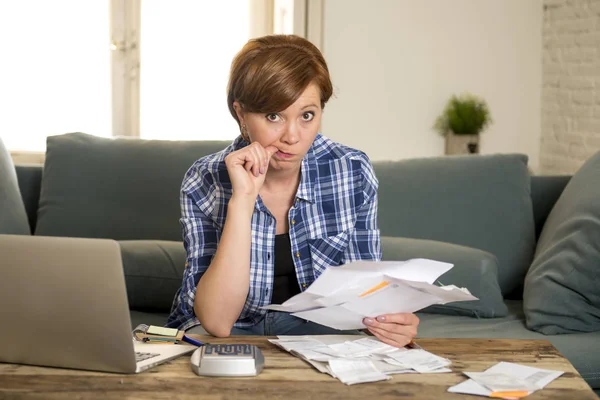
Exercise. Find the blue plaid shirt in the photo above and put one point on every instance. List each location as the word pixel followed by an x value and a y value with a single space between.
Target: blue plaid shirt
pixel 333 221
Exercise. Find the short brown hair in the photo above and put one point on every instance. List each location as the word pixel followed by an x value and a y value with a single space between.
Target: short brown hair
pixel 270 73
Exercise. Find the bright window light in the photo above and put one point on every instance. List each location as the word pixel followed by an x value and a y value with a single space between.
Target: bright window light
pixel 55 70
pixel 185 55
pixel 283 20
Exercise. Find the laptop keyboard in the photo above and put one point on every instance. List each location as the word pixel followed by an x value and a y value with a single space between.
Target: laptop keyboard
pixel 141 356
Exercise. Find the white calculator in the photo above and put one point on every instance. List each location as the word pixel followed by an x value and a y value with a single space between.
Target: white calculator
pixel 227 360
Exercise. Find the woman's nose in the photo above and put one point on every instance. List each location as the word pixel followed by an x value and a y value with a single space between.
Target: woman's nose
pixel 290 134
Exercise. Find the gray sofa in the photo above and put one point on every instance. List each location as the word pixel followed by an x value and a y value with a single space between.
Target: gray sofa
pixel 482 213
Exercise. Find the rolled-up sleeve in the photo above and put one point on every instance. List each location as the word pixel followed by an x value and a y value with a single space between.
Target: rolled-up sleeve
pixel 365 240
pixel 200 239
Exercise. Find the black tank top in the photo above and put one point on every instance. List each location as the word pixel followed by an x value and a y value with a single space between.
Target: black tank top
pixel 285 283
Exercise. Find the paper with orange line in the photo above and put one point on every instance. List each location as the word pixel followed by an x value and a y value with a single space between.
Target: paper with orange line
pixel 342 296
pixel 506 381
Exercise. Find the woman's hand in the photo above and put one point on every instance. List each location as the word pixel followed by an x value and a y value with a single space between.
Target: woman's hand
pixel 247 168
pixel 394 329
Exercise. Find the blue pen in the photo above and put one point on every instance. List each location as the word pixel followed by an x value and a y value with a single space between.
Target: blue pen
pixel 192 341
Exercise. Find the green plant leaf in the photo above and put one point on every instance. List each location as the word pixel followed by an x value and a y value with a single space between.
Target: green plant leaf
pixel 463 115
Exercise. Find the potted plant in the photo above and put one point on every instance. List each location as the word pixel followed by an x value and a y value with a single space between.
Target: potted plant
pixel 461 122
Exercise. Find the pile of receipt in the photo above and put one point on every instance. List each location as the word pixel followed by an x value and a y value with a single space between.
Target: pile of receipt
pixel 360 359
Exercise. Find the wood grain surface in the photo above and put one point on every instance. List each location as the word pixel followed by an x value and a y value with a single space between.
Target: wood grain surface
pixel 287 377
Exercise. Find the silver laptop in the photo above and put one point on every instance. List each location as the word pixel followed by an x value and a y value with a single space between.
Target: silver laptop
pixel 63 304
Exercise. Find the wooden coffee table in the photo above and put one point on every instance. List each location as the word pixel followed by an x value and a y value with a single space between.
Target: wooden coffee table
pixel 287 377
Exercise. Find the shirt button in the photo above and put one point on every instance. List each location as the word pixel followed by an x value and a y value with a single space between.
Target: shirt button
pixel 298 255
pixel 304 285
pixel 268 256
pixel 293 222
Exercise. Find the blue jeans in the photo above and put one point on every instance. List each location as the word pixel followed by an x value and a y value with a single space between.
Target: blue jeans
pixel 277 323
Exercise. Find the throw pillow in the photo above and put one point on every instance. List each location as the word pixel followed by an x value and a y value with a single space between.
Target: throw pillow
pixel 474 269
pixel 13 217
pixel 122 189
pixel 561 288
pixel 479 201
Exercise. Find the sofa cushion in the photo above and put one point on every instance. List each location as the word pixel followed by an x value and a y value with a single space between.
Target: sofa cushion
pixel 153 272
pixel 561 288
pixel 138 318
pixel 581 349
pixel 30 183
pixel 474 269
pixel 13 218
pixel 122 189
pixel 479 201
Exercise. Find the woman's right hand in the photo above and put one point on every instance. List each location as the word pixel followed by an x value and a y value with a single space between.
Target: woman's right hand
pixel 248 167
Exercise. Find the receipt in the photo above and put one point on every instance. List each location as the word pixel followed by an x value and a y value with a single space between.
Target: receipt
pixel 358 348
pixel 419 360
pixel 501 382
pixel 505 377
pixel 351 372
pixel 361 360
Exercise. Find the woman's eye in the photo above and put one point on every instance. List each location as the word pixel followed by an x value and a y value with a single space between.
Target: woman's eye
pixel 273 117
pixel 308 116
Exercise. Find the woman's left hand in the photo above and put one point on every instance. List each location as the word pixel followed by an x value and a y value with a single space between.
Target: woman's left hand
pixel 394 329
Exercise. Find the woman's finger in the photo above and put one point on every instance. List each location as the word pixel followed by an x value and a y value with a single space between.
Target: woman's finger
pixel 248 161
pixel 256 150
pixel 409 330
pixel 263 159
pixel 399 318
pixel 393 339
pixel 388 338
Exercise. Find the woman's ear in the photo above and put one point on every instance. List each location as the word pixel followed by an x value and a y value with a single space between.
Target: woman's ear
pixel 239 112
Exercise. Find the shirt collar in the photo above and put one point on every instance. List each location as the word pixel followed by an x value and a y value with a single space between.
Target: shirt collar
pixel 308 176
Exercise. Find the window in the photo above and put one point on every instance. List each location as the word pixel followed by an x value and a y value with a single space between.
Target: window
pixel 157 69
pixel 55 70
pixel 283 17
pixel 186 51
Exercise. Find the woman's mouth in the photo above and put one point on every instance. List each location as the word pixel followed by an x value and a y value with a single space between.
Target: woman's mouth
pixel 283 155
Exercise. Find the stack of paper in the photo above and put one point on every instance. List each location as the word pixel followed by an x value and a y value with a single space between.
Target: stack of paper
pixel 342 296
pixel 353 360
pixel 506 380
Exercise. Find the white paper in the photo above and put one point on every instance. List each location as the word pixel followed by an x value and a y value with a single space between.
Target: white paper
pixel 358 359
pixel 533 379
pixel 352 372
pixel 393 298
pixel 343 296
pixel 419 360
pixel 357 348
pixel 501 382
pixel 416 269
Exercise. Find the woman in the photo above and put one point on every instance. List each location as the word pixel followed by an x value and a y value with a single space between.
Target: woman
pixel 264 217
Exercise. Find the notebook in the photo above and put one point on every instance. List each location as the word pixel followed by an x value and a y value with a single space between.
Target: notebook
pixel 63 304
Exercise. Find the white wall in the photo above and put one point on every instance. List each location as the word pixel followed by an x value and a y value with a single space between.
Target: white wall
pixel 394 64
pixel 571 92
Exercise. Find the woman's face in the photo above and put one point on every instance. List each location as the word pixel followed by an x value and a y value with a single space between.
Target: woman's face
pixel 292 131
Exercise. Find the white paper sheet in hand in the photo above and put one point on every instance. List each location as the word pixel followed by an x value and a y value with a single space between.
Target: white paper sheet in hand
pixel 343 306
